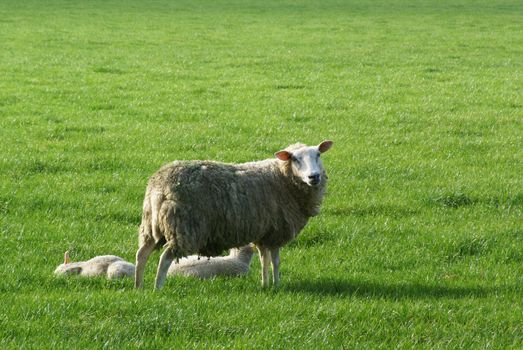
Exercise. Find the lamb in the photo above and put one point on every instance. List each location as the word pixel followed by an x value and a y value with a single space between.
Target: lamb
pixel 206 207
pixel 120 269
pixel 110 265
pixel 235 264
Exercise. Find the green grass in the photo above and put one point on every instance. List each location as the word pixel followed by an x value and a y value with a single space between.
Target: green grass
pixel 420 241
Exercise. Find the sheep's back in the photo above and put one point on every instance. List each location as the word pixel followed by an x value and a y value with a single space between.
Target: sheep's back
pixel 98 265
pixel 120 269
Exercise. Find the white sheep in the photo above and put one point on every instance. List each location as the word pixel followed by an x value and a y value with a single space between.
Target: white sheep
pixel 237 263
pixel 105 265
pixel 205 207
pixel 120 269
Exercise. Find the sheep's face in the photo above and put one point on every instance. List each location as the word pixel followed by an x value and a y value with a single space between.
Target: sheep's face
pixel 68 269
pixel 305 162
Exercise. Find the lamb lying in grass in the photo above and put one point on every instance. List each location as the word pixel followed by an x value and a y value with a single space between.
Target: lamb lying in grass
pixel 120 269
pixel 237 263
pixel 105 265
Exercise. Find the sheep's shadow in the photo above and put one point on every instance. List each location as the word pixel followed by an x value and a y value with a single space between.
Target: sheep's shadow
pixel 346 288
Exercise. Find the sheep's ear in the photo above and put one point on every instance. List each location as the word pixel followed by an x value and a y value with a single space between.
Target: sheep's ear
pixel 283 155
pixel 325 146
pixel 67 259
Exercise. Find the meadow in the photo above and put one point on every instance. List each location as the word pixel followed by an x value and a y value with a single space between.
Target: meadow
pixel 420 239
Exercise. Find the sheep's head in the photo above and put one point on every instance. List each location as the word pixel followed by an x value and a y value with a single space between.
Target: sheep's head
pixel 305 161
pixel 244 253
pixel 68 267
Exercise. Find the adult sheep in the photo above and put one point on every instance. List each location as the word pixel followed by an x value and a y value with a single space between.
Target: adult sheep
pixel 206 207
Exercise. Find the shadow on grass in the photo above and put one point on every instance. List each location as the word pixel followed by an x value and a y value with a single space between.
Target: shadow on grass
pixel 371 289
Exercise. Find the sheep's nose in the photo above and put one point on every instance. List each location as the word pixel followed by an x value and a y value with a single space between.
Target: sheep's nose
pixel 314 178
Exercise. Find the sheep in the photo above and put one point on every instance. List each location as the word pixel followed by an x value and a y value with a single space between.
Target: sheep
pixel 120 269
pixel 206 207
pixel 110 265
pixel 235 264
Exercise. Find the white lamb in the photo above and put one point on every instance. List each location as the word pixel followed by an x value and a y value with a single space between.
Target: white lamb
pixel 120 269
pixel 235 264
pixel 105 265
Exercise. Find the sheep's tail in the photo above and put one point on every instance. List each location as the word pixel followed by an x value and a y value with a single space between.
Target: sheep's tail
pixel 167 223
pixel 145 232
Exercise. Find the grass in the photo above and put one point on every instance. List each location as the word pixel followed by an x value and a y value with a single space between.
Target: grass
pixel 420 241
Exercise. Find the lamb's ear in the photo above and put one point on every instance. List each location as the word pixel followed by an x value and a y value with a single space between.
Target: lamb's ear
pixel 283 155
pixel 325 146
pixel 67 259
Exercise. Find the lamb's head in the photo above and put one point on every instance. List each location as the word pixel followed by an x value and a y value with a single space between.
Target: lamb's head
pixel 244 254
pixel 68 267
pixel 305 161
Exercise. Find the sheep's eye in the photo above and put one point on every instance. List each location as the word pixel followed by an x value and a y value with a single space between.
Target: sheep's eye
pixel 294 159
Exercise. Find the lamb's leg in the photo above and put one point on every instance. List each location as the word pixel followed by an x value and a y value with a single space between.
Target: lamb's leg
pixel 275 256
pixel 141 259
pixel 165 261
pixel 265 257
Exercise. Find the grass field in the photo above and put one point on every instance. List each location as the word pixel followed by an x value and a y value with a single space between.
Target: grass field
pixel 420 240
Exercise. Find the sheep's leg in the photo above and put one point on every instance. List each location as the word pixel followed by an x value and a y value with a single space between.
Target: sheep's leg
pixel 141 259
pixel 265 257
pixel 165 261
pixel 275 256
